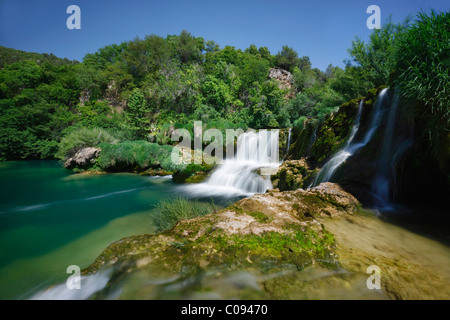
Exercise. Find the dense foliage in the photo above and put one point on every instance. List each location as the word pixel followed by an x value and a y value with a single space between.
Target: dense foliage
pixel 145 88
pixel 423 63
pixel 135 155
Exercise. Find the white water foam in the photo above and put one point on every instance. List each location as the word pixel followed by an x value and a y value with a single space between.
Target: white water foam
pixel 240 176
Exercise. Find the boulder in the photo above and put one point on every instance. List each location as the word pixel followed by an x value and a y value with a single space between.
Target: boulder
pixel 292 175
pixel 84 157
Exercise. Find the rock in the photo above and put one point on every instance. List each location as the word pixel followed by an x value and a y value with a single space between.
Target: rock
pixel 82 158
pixel 283 76
pixel 193 172
pixel 276 227
pixel 292 175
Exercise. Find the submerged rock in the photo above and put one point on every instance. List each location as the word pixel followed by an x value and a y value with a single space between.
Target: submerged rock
pixel 84 157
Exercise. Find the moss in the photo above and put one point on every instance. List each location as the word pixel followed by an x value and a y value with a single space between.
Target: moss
pixel 192 173
pixel 260 217
pixel 295 248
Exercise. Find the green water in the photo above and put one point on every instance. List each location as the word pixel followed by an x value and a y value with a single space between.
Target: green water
pixel 51 218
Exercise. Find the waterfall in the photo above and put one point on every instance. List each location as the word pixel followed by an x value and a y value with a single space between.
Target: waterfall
pixel 289 140
pixel 313 139
pixel 248 172
pixel 389 156
pixel 351 147
pixel 328 169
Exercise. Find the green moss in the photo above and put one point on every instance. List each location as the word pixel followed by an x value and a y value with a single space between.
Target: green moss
pixel 192 173
pixel 260 217
pixel 296 247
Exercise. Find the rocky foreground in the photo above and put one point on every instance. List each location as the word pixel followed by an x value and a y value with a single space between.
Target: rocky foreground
pixel 279 240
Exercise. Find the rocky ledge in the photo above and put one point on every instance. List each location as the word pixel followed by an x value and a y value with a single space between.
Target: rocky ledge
pixel 275 229
pixel 276 245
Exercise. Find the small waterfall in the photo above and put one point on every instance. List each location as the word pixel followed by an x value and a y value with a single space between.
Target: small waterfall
pixel 289 140
pixel 389 156
pixel 248 172
pixel 328 169
pixel 351 147
pixel 313 139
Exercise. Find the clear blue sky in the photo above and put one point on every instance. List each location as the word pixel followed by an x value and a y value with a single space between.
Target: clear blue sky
pixel 320 29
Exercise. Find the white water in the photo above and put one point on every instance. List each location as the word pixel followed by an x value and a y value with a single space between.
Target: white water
pixel 289 140
pixel 330 167
pixel 351 147
pixel 88 286
pixel 238 176
pixel 389 156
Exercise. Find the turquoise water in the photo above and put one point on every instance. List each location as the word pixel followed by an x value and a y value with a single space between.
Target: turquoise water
pixel 51 218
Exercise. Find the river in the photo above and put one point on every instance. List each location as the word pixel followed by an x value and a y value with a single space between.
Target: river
pixel 51 218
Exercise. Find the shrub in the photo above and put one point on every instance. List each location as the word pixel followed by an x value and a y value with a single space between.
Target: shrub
pixel 138 155
pixel 169 211
pixel 81 138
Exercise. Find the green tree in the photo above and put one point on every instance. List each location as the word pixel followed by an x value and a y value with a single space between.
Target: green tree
pixel 287 58
pixel 138 113
pixel 377 57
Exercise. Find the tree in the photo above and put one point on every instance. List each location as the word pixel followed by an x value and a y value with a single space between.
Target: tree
pixel 189 48
pixel 138 113
pixel 377 57
pixel 287 58
pixel 252 49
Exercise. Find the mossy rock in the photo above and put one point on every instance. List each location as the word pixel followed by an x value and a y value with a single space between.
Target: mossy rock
pixel 247 233
pixel 192 173
pixel 292 175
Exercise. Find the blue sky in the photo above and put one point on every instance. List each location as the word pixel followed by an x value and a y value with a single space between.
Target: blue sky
pixel 320 29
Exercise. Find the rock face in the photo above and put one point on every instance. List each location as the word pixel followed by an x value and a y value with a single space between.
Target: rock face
pixel 285 79
pixel 265 231
pixel 82 158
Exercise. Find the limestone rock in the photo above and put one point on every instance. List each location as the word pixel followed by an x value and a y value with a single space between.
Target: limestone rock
pixel 82 158
pixel 284 77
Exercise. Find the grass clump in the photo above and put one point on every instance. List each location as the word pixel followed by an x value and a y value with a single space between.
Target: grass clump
pixel 169 211
pixel 136 155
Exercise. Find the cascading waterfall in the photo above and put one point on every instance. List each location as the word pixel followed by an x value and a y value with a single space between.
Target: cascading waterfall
pixel 313 139
pixel 351 147
pixel 389 156
pixel 331 166
pixel 239 176
pixel 289 140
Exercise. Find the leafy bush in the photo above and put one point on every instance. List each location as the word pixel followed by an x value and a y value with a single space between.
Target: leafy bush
pixel 169 211
pixel 81 138
pixel 138 155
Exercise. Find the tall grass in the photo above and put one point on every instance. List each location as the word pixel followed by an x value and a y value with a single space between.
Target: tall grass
pixel 169 211
pixel 423 63
pixel 136 154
